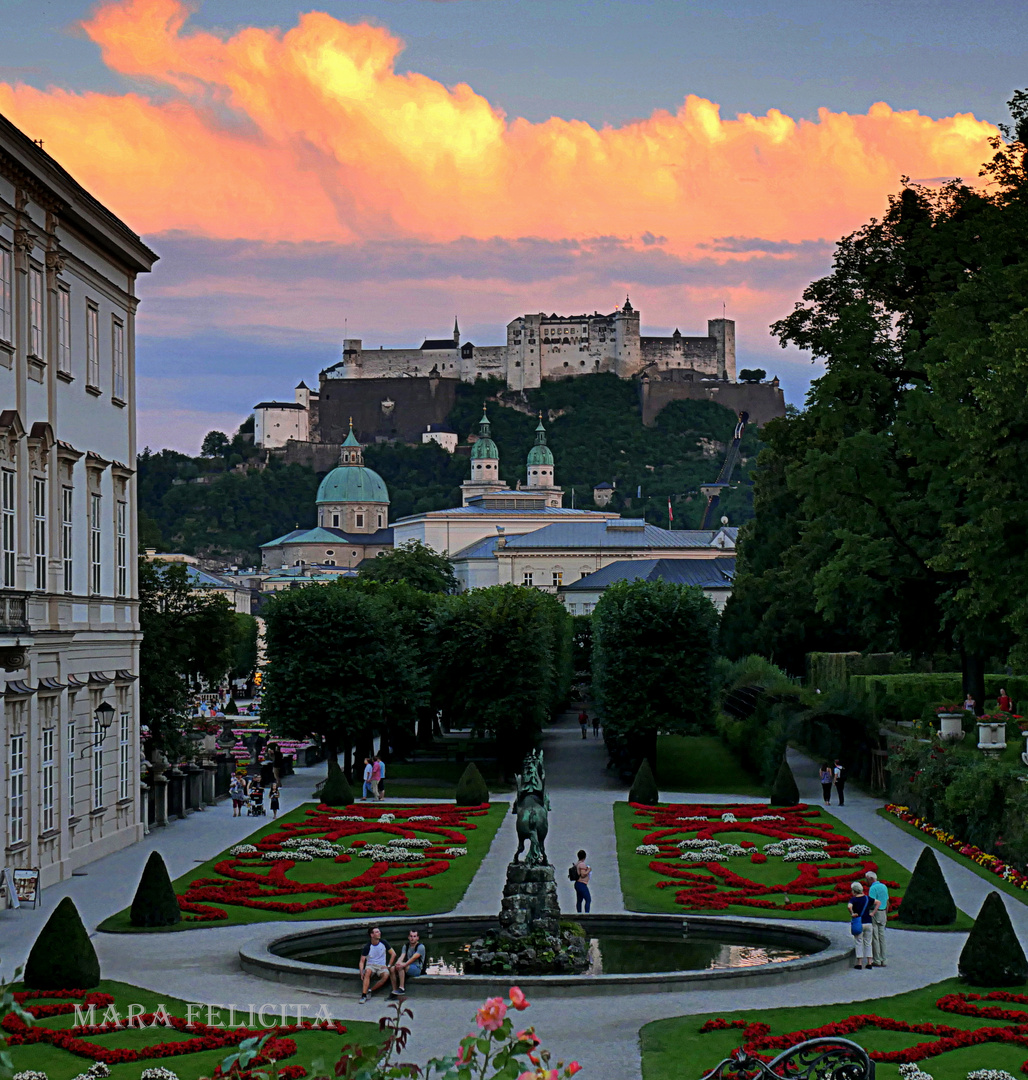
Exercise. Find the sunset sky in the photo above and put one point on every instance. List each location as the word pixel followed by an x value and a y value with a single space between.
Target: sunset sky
pixel 384 165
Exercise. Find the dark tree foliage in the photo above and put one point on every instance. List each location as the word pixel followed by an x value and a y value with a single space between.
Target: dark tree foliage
pixel 644 787
pixel 752 374
pixel 992 954
pixel 336 790
pixel 414 563
pixel 63 957
pixel 653 664
pixel 155 902
pixel 784 791
pixel 244 657
pixel 899 488
pixel 186 634
pixel 471 787
pixel 927 901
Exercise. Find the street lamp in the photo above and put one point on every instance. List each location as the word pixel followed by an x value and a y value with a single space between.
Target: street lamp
pixel 103 717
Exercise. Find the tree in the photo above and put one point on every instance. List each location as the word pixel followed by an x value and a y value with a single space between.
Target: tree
pixel 155 902
pixel 653 664
pixel 992 955
pixel 927 900
pixel 187 633
pixel 244 657
pixel 644 787
pixel 62 957
pixel 784 791
pixel 471 787
pixel 752 374
pixel 416 564
pixel 215 444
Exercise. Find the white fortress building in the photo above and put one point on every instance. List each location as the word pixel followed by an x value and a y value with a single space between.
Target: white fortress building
pixel 552 346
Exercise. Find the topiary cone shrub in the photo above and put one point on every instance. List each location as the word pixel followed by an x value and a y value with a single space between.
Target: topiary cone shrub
pixel 231 709
pixel 155 902
pixel 784 791
pixel 992 955
pixel 644 786
pixel 927 901
pixel 471 787
pixel 336 789
pixel 63 957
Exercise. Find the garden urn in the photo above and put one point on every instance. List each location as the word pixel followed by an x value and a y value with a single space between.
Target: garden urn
pixel 951 726
pixel 992 736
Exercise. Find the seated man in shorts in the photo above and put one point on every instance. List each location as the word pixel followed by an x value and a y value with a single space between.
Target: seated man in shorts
pixel 410 964
pixel 376 959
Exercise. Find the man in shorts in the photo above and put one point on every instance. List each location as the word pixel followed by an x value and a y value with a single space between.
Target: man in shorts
pixel 376 960
pixel 410 964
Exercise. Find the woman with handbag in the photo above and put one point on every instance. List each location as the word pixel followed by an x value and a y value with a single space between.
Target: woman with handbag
pixel 860 925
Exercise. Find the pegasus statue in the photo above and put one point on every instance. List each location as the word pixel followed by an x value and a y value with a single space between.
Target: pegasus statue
pixel 531 807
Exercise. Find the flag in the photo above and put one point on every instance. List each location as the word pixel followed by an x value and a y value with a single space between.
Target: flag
pixel 670 513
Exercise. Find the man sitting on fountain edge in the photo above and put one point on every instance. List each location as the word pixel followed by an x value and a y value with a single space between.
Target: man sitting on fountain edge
pixel 410 964
pixel 376 960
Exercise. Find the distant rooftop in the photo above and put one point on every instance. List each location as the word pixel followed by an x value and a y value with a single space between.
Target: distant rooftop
pixel 707 573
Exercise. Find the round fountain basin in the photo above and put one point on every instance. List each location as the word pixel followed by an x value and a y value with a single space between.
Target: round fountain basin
pixel 640 953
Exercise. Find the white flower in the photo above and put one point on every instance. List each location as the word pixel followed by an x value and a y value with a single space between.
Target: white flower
pixel 423 817
pixel 707 855
pixel 691 819
pixel 347 817
pixel 860 849
pixel 389 853
pixel 910 1071
pixel 804 842
pixel 728 817
pixel 776 848
pixel 697 845
pixel 296 856
pixel 30 1074
pixel 398 840
pixel 769 817
pixel 978 1074
pixel 647 849
pixel 453 852
pixel 242 849
pixel 386 818
pixel 813 855
pixel 158 1073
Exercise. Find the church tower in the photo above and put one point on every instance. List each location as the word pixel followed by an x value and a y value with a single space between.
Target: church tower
pixel 540 468
pixel 485 463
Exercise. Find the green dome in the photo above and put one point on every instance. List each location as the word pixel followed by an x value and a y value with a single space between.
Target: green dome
pixel 485 448
pixel 540 455
pixel 352 484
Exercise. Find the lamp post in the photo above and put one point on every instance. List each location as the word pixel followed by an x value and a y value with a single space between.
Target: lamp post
pixel 103 717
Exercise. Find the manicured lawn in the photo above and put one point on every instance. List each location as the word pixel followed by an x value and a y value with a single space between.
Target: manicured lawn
pixel 436 779
pixel 702 764
pixel 665 883
pixel 678 1048
pixel 354 885
pixel 996 882
pixel 61 1064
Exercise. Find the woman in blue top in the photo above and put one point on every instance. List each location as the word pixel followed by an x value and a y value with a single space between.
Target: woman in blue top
pixel 860 925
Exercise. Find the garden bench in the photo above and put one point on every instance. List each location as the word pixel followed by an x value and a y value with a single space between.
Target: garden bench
pixel 814 1059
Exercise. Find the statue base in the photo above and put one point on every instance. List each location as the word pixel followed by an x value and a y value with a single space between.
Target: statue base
pixel 530 940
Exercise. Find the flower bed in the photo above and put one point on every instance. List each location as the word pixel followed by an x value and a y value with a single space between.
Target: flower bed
pixel 992 863
pixel 740 858
pixel 419 844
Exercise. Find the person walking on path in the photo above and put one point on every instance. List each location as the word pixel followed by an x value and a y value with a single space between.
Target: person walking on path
pixel 237 793
pixel 376 775
pixel 878 894
pixel 596 725
pixel 382 780
pixel 826 783
pixel 860 925
pixel 583 722
pixel 840 781
pixel 367 778
pixel 582 893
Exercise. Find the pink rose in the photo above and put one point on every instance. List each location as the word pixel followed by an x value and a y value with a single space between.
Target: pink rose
pixel 518 999
pixel 490 1015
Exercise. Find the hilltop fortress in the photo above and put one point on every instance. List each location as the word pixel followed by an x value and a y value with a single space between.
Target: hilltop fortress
pixel 406 394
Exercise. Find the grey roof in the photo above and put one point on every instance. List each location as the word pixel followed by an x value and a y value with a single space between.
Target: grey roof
pixel 707 573
pixel 560 511
pixel 445 428
pixel 480 549
pixel 278 405
pixel 602 486
pixel 439 343
pixel 202 579
pixel 321 534
pixel 619 533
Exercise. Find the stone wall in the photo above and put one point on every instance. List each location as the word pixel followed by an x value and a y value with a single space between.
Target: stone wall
pixel 383 409
pixel 762 401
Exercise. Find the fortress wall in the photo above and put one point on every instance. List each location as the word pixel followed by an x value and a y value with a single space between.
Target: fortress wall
pixel 761 400
pixel 697 353
pixel 384 408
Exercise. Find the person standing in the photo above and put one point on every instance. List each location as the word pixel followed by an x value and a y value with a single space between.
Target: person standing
pixel 969 703
pixel 878 894
pixel 273 800
pixel 381 780
pixel 1004 702
pixel 596 725
pixel 839 774
pixel 237 794
pixel 860 925
pixel 376 775
pixel 582 894
pixel 827 778
pixel 367 778
pixel 583 722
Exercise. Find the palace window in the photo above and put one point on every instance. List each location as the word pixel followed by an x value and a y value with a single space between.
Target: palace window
pixel 335 521
pixel 47 762
pixel 70 740
pixel 6 293
pixel 558 578
pixel 39 530
pixel 124 757
pixel 16 791
pixel 380 521
pixel 527 578
pixel 93 346
pixel 8 527
pixel 94 543
pixel 67 503
pixel 118 357
pixel 35 312
pixel 121 539
pixel 64 330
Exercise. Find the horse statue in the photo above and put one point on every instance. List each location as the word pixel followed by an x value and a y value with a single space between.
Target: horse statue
pixel 531 807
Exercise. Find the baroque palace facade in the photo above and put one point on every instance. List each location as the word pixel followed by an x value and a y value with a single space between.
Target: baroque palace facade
pixel 69 628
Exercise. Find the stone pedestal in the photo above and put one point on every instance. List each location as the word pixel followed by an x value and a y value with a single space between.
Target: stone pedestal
pixel 160 784
pixel 209 770
pixel 530 901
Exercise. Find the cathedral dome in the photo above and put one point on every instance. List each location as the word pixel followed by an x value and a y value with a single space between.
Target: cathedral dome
pixel 485 448
pixel 540 455
pixel 352 484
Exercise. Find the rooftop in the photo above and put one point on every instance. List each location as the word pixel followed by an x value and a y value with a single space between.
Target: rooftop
pixel 619 533
pixel 483 511
pixel 279 405
pixel 321 535
pixel 707 573
pixel 439 343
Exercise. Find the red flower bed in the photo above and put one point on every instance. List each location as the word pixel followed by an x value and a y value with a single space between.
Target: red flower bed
pixel 758 1040
pixel 248 881
pixel 711 886
pixel 199 1036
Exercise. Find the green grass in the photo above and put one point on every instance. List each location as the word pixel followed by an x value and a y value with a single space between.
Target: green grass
pixel 639 882
pixel 702 764
pixel 677 1048
pixel 996 882
pixel 443 893
pixel 59 1064
pixel 437 779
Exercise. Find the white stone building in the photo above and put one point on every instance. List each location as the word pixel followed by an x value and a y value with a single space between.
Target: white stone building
pixel 69 630
pixel 276 422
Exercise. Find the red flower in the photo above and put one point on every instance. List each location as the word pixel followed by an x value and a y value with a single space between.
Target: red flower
pixel 518 999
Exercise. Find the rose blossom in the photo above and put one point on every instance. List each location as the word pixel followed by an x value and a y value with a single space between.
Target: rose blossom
pixel 527 1036
pixel 491 1014
pixel 518 999
pixel 573 1068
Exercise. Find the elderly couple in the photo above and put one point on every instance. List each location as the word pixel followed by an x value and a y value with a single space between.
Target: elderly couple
pixel 868 920
pixel 380 961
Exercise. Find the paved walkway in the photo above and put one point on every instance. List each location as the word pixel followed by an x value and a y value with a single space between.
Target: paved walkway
pixel 601 1032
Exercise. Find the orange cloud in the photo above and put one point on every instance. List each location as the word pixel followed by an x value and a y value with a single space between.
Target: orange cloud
pixel 311 134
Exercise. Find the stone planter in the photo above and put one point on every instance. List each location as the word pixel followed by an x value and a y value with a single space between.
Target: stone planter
pixel 992 737
pixel 951 726
pixel 1024 755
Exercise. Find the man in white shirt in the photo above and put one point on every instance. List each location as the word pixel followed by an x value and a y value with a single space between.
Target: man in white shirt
pixel 376 960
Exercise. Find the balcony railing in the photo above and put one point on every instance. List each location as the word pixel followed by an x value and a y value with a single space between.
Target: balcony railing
pixel 13 612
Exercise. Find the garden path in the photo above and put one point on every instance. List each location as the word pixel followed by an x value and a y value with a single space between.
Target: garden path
pixel 601 1032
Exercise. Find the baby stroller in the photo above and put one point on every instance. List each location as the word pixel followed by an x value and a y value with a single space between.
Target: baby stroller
pixel 256 803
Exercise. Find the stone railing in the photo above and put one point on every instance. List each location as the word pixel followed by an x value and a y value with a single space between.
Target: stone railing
pixel 13 612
